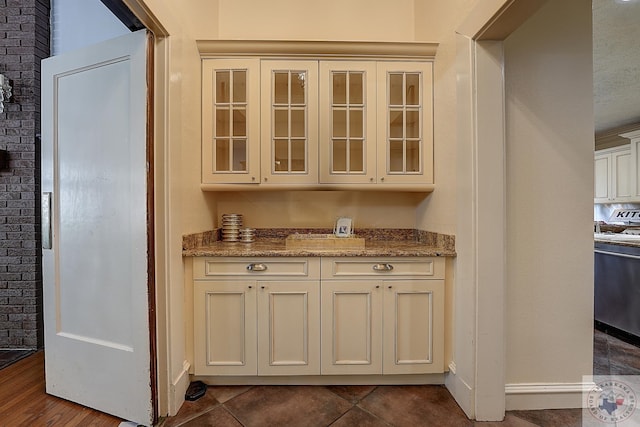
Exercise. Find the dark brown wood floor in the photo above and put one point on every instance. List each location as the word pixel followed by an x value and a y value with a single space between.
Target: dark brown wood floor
pixel 23 401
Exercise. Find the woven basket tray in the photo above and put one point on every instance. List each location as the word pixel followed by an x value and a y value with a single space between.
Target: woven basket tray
pixel 323 241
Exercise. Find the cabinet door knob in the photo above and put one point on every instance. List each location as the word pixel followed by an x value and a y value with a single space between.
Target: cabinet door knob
pixel 390 287
pixel 377 286
pixel 262 287
pixel 250 287
pixel 382 267
pixel 257 267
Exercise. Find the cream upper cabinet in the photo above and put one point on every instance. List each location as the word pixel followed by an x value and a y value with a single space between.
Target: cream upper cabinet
pixel 405 122
pixel 348 122
pixel 230 121
pixel 614 175
pixel 317 122
pixel 289 115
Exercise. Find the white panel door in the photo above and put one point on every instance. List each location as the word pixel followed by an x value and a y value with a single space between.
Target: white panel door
pixel 95 274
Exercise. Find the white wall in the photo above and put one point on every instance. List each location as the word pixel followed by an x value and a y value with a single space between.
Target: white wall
pixel 550 139
pixel 80 23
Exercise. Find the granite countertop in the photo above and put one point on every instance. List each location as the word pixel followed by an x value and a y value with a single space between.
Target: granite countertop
pixel 634 243
pixel 271 242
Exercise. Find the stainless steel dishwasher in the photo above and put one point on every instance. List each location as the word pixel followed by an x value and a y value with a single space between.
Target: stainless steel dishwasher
pixel 617 287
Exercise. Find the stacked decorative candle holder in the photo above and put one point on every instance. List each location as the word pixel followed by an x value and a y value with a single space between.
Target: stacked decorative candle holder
pixel 247 235
pixel 231 225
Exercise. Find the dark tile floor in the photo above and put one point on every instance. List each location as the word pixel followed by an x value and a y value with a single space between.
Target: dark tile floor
pixel 373 406
pixel 370 406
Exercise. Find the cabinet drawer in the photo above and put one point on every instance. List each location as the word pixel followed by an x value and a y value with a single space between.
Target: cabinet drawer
pixel 339 267
pixel 206 268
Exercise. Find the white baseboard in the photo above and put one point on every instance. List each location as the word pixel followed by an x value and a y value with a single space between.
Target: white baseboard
pixel 178 389
pixel 460 390
pixel 530 396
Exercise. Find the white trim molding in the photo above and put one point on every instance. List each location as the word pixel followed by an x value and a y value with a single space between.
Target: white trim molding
pixel 529 396
pixel 179 388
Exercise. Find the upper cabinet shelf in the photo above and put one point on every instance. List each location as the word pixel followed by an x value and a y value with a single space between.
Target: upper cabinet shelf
pixel 354 121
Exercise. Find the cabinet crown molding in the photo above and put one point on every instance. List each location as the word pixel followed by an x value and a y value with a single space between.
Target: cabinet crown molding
pixel 318 49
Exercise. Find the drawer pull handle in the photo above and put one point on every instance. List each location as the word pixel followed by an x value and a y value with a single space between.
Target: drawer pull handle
pixel 257 267
pixel 382 267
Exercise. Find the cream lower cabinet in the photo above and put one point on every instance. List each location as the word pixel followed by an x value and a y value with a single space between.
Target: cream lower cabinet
pixel 256 317
pixel 382 316
pixel 318 316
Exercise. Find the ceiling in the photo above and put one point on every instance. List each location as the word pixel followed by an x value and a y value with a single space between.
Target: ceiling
pixel 616 64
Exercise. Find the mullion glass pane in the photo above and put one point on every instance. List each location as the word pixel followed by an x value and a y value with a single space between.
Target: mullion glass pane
pixel 240 122
pixel 281 155
pixel 396 156
pixel 239 86
pixel 413 156
pixel 356 156
pixel 356 123
pixel 298 123
pixel 223 83
pixel 281 123
pixel 395 89
pixel 239 155
pixel 413 124
pixel 222 122
pixel 339 155
pixel 281 87
pixel 396 124
pixel 298 84
pixel 356 89
pixel 298 155
pixel 339 88
pixel 222 153
pixel 339 123
pixel 413 89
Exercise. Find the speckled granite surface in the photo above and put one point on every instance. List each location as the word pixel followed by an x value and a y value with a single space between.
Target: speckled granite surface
pixel 634 244
pixel 271 242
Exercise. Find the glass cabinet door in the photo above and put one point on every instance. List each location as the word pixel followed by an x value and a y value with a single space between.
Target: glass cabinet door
pixel 405 122
pixel 230 121
pixel 289 121
pixel 347 122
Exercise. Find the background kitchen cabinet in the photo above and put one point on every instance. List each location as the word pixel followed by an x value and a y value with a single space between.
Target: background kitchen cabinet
pixel 230 121
pixel 614 170
pixel 634 138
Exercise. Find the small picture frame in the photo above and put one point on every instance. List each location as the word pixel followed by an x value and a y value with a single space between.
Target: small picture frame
pixel 343 227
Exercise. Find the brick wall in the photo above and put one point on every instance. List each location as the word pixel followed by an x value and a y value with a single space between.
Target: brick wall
pixel 24 41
